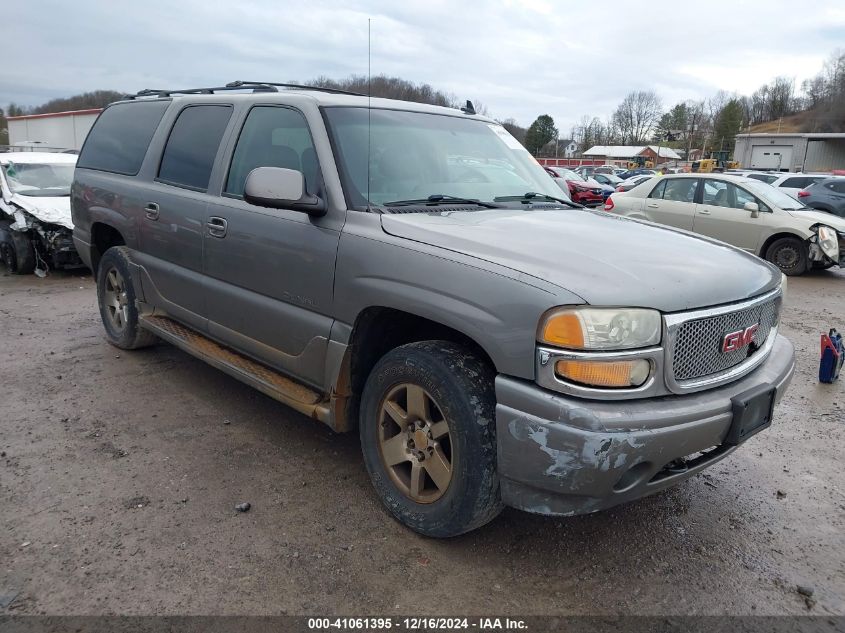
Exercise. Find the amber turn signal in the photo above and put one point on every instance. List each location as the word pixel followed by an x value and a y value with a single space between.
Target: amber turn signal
pixel 599 373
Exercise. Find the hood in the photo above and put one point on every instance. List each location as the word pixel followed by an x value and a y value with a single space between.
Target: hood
pixel 605 259
pixel 820 217
pixel 47 210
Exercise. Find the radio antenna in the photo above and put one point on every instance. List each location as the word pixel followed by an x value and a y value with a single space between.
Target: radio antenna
pixel 369 100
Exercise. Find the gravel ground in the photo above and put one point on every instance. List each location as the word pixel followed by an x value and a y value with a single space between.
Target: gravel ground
pixel 120 472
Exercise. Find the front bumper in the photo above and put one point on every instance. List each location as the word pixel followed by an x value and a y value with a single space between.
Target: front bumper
pixel 561 455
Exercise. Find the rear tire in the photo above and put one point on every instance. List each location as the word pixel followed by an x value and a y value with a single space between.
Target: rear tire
pixel 116 297
pixel 790 255
pixel 18 253
pixel 428 435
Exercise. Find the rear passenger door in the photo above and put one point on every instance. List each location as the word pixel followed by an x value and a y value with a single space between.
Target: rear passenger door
pixel 672 202
pixel 172 218
pixel 270 272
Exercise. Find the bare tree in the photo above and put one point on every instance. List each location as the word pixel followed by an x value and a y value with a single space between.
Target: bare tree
pixel 637 116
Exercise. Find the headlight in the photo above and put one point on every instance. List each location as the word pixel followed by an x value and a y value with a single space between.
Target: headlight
pixel 829 242
pixel 600 328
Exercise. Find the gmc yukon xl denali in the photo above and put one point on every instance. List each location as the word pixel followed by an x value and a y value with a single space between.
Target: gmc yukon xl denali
pixel 410 271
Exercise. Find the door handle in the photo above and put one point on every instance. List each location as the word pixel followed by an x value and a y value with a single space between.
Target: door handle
pixel 704 211
pixel 652 205
pixel 151 211
pixel 217 226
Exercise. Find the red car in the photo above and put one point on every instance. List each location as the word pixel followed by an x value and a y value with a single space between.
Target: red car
pixel 588 193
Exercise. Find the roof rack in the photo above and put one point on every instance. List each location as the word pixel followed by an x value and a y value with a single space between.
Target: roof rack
pixel 255 86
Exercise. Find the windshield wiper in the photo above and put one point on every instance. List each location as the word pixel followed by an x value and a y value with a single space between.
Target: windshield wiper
pixel 531 195
pixel 439 198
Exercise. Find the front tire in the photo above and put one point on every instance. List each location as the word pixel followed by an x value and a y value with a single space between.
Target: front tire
pixel 18 253
pixel 116 297
pixel 790 255
pixel 428 435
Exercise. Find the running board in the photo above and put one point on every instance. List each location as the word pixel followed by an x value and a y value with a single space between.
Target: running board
pixel 254 374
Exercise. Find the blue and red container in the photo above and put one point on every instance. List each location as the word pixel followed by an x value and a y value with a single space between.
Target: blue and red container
pixel 833 354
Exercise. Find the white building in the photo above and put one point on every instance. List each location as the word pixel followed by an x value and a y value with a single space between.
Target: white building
pixel 54 131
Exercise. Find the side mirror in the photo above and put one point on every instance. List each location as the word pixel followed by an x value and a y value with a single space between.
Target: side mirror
pixel 280 188
pixel 754 208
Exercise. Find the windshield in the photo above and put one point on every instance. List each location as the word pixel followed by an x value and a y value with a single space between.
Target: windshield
pixel 415 155
pixel 773 195
pixel 39 180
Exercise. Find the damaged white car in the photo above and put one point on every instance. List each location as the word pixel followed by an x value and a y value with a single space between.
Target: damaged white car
pixel 35 222
pixel 747 213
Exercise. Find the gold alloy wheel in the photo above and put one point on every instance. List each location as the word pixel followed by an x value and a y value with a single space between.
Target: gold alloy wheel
pixel 114 299
pixel 414 443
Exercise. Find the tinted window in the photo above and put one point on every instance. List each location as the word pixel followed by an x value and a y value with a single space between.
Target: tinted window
pixel 273 137
pixel 120 137
pixel 190 151
pixel 764 177
pixel 798 182
pixel 680 189
pixel 839 186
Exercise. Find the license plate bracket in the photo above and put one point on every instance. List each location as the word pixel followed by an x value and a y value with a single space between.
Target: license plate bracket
pixel 752 412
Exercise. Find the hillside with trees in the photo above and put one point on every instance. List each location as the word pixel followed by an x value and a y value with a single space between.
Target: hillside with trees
pixel 818 105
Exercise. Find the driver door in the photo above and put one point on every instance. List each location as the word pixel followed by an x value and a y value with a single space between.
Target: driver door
pixel 721 215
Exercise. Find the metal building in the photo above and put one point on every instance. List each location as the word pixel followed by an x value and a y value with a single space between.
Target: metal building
pixel 54 131
pixel 791 152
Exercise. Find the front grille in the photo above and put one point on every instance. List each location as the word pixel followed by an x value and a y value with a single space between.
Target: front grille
pixel 698 343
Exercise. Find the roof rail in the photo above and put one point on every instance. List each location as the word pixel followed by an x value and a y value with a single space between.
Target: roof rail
pixel 237 84
pixel 255 86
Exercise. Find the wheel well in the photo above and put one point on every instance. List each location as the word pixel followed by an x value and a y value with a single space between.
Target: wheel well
pixel 103 237
pixel 378 330
pixel 776 237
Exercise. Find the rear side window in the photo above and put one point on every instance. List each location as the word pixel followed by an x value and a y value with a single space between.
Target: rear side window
pixel 798 182
pixel 764 177
pixel 680 189
pixel 119 139
pixel 192 147
pixel 657 192
pixel 838 186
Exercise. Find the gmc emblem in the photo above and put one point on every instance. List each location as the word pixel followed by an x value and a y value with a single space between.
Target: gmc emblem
pixel 739 339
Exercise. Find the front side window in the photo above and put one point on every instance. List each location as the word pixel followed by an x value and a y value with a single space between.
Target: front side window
pixel 716 193
pixel 192 147
pixel 273 137
pixel 121 135
pixel 39 180
pixel 395 155
pixel 743 197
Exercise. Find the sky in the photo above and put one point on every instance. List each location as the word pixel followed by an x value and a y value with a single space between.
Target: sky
pixel 520 58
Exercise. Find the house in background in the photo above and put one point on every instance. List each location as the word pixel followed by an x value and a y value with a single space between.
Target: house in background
pixel 567 148
pixel 618 153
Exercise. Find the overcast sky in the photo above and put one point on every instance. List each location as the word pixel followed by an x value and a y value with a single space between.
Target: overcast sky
pixel 520 58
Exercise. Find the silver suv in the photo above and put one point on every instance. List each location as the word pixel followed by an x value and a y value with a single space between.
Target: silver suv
pixel 410 271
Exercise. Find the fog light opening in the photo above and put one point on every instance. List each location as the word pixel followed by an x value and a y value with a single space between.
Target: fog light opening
pixel 633 476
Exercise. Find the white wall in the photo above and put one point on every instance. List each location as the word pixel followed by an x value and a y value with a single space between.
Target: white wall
pixel 67 131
